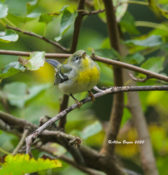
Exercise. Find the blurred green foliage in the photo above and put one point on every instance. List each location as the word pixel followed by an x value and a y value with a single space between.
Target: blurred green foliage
pixel 14 162
pixel 27 90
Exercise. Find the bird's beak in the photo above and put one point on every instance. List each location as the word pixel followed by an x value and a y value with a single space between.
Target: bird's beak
pixel 84 55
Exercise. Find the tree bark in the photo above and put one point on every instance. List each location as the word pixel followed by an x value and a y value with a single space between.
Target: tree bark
pixel 118 102
pixel 146 153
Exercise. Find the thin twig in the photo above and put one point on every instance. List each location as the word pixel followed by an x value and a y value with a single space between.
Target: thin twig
pixel 4 151
pixel 40 37
pixel 21 142
pixel 23 53
pixel 138 2
pixel 112 90
pixel 94 12
pixel 54 14
pixel 139 79
pixel 131 67
pixel 70 161
pixel 96 58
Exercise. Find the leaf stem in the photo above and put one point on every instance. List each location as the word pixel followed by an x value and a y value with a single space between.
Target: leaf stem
pixel 147 24
pixel 138 2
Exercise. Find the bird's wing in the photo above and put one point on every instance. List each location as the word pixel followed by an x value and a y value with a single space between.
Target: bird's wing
pixel 63 73
pixel 53 62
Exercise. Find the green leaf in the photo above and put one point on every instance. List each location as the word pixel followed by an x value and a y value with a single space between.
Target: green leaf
pixel 35 90
pixel 17 7
pixel 106 76
pixel 63 8
pixel 91 130
pixel 33 10
pixel 136 58
pixel 121 8
pixel 151 41
pixel 18 93
pixel 106 44
pixel 11 69
pixel 128 24
pixel 109 53
pixel 35 61
pixel 32 2
pixel 161 30
pixel 45 18
pixel 67 20
pixel 8 36
pixel 3 10
pixel 22 163
pixel 34 14
pixel 154 64
pixel 98 4
pixel 159 7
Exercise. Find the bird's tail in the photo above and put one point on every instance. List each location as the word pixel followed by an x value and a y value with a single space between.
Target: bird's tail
pixel 53 62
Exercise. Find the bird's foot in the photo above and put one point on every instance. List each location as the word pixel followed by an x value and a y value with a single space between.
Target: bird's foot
pixel 91 95
pixel 76 101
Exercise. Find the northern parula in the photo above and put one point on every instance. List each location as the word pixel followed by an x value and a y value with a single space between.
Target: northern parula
pixel 77 74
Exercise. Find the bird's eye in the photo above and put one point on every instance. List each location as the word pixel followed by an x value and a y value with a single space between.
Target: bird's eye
pixel 77 58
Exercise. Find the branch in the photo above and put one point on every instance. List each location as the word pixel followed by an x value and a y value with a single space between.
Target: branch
pixel 15 123
pixel 77 25
pixel 21 142
pixel 40 37
pixel 118 100
pixel 22 53
pixel 112 90
pixel 70 161
pixel 146 153
pixel 76 31
pixel 17 126
pixel 94 12
pixel 131 67
pixel 96 58
pixel 63 106
pixel 138 2
pixel 69 142
pixel 139 79
pixel 92 158
pixel 4 101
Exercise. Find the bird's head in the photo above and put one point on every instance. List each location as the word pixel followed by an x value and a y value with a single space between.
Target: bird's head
pixel 79 58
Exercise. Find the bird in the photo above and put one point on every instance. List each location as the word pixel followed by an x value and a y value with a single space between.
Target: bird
pixel 77 74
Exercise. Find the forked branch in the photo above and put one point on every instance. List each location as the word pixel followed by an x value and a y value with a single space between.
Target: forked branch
pixel 112 90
